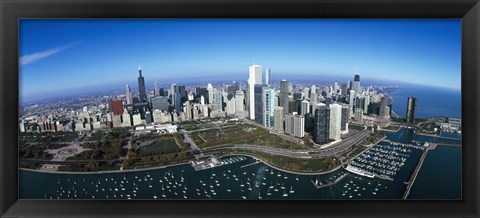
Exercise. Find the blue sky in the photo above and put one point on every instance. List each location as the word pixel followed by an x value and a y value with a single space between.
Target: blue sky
pixel 60 54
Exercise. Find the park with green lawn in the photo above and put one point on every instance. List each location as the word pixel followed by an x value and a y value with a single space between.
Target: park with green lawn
pixel 242 134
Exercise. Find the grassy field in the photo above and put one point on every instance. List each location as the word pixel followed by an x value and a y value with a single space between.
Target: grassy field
pixel 239 134
pixel 294 164
pixel 194 125
pixel 159 146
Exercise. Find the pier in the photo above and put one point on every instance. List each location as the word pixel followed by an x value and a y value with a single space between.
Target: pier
pixel 384 177
pixel 329 184
pixel 440 137
pixel 250 164
pixel 398 143
pixel 414 175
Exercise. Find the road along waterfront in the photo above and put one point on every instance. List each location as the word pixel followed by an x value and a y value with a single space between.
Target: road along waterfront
pixel 230 181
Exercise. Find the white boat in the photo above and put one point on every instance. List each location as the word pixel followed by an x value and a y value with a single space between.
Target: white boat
pixel 359 171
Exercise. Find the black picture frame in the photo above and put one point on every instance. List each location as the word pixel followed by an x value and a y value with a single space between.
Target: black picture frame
pixel 11 11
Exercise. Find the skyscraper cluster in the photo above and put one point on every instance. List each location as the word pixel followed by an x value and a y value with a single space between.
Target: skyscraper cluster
pixel 294 109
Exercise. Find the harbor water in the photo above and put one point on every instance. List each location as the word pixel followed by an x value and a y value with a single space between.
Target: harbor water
pixel 236 180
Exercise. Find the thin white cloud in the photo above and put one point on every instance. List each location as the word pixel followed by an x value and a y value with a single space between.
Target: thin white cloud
pixel 30 58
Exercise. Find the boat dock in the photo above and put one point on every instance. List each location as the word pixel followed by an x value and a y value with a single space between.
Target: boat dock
pixel 414 174
pixel 320 185
pixel 384 177
pixel 397 143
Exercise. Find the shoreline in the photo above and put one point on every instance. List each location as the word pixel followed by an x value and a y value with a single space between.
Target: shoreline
pixel 284 170
pixel 179 164
pixel 106 171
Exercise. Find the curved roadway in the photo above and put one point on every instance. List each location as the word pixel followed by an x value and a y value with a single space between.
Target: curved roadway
pixel 332 150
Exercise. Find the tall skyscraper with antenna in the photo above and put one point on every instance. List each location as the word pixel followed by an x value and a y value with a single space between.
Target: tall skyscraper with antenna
pixel 356 83
pixel 142 95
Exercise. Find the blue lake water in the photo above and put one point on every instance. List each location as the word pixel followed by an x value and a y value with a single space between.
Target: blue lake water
pixel 431 101
pixel 258 181
pixel 439 173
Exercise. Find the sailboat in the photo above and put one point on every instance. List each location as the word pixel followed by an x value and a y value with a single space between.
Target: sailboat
pixel 291 189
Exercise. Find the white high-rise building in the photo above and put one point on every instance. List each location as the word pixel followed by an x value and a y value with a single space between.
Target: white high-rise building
pixel 239 105
pixel 254 78
pixel 210 93
pixel 156 91
pixel 268 80
pixel 217 100
pixel 202 100
pixel 351 100
pixel 305 107
pixel 127 121
pixel 22 126
pixel 269 107
pixel 116 120
pixel 157 116
pixel 173 93
pixel 359 115
pixel 239 97
pixel 335 88
pixel 190 96
pixel 335 121
pixel 230 100
pixel 295 125
pixel 278 118
pixel 365 105
pixel 128 94
pixel 137 119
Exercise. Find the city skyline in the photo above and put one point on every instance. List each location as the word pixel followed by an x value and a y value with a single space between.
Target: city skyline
pixel 209 47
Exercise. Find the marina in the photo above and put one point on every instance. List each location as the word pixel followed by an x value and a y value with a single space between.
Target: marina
pixel 383 160
pixel 241 177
